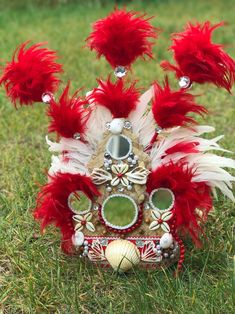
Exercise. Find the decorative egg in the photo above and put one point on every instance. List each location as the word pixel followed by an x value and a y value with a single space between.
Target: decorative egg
pixel 122 255
pixel 116 126
pixel 166 240
pixel 78 238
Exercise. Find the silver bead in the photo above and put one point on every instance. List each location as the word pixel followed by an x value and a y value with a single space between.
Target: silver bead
pixel 129 187
pixel 136 157
pixel 107 125
pixel 47 97
pixel 120 71
pixel 165 255
pixel 172 256
pixel 120 189
pixel 106 164
pixel 127 125
pixel 109 189
pixel 159 252
pixel 154 250
pixel 77 136
pixel 110 161
pixel 85 242
pixel 184 82
pixel 159 247
pixel 96 207
pixel 146 206
pixel 129 159
pixel 134 162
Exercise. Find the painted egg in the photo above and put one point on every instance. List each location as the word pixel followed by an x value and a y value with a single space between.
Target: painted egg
pixel 122 255
pixel 166 240
pixel 116 126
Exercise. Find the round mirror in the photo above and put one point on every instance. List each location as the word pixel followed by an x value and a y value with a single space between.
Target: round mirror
pixel 119 147
pixel 162 199
pixel 119 211
pixel 79 203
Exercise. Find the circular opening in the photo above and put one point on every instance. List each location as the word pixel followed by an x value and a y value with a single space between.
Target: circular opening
pixel 119 211
pixel 79 203
pixel 162 199
pixel 119 147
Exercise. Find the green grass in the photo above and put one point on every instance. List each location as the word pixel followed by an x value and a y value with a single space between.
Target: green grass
pixel 35 277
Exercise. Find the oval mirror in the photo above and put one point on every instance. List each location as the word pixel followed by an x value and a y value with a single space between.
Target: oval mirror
pixel 119 211
pixel 119 147
pixel 79 203
pixel 162 199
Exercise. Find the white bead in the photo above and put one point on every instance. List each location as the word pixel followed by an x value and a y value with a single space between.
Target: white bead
pixel 129 187
pixel 116 126
pixel 129 159
pixel 136 157
pixel 85 242
pixel 166 240
pixel 78 238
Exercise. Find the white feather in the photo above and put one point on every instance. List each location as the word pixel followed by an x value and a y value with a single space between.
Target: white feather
pixel 96 125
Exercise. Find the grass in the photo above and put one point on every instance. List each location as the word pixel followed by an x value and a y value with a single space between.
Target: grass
pixel 35 277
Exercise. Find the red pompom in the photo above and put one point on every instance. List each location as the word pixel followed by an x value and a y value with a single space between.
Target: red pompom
pixel 171 108
pixel 122 37
pixel 115 97
pixel 189 196
pixel 31 73
pixel 52 203
pixel 68 116
pixel 200 59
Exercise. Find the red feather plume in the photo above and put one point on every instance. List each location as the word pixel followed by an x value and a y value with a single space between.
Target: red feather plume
pixel 31 73
pixel 171 108
pixel 69 115
pixel 197 57
pixel 122 37
pixel 115 97
pixel 52 203
pixel 189 196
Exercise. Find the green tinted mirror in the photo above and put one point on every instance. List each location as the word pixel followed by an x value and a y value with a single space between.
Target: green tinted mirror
pixel 79 203
pixel 119 211
pixel 162 199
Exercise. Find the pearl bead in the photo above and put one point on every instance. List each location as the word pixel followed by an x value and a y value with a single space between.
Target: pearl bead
pixel 116 126
pixel 166 240
pixel 78 238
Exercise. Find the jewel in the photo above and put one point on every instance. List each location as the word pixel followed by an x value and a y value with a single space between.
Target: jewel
pixel 159 247
pixel 129 187
pixel 46 97
pixel 127 125
pixel 166 255
pixel 129 159
pixel 134 162
pixel 77 136
pixel 136 157
pixel 120 71
pixel 184 82
pixel 158 130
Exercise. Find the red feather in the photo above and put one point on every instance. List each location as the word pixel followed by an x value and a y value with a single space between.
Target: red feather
pixel 115 97
pixel 171 108
pixel 189 195
pixel 122 37
pixel 183 147
pixel 68 116
pixel 52 203
pixel 197 57
pixel 31 73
